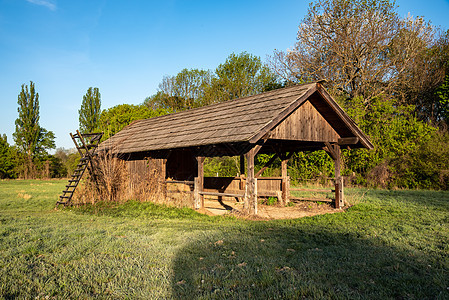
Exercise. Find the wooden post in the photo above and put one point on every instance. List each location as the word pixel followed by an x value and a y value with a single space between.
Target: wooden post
pixel 196 195
pixel 250 205
pixel 200 185
pixel 163 177
pixel 242 165
pixel 335 152
pixel 339 201
pixel 284 186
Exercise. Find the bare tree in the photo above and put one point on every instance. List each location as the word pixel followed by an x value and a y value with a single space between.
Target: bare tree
pixel 362 48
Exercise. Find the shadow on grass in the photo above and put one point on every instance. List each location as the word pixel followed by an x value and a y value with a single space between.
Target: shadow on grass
pixel 269 260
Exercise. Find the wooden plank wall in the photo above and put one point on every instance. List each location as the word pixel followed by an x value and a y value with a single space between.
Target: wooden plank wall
pixel 145 170
pixel 305 124
pixel 266 186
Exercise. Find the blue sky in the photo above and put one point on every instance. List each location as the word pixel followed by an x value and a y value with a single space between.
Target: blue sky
pixel 125 47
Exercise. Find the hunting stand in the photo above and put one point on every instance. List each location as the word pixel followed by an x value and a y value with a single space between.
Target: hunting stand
pixel 86 144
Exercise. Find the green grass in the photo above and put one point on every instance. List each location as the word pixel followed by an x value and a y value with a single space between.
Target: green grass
pixel 391 245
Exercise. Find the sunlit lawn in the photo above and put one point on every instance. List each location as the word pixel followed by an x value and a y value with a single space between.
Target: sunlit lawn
pixel 392 244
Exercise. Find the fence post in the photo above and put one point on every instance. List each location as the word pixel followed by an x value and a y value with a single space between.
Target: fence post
pixel 196 194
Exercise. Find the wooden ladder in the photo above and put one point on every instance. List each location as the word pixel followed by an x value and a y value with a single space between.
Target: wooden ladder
pixel 86 148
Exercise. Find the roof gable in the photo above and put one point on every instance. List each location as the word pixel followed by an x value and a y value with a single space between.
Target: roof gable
pixel 305 124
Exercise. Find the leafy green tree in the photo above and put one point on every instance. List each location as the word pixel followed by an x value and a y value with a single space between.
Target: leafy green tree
pixel 443 100
pixel 7 159
pixel 239 76
pixel 68 159
pixel 30 137
pixel 114 119
pixel 89 114
pixel 398 137
pixel 184 91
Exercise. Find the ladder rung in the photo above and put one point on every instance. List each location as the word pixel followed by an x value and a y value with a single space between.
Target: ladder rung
pixel 69 186
pixel 78 170
pixel 67 191
pixel 61 197
pixel 92 134
pixel 96 138
pixel 90 146
pixel 73 180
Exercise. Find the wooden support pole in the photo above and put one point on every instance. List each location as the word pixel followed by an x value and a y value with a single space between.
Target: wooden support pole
pixel 284 187
pixel 242 165
pixel 200 180
pixel 250 204
pixel 335 152
pixel 339 201
pixel 196 194
pixel 163 177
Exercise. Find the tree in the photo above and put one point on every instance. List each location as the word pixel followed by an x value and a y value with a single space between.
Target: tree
pixel 29 136
pixel 7 158
pixel 113 120
pixel 443 100
pixel 184 91
pixel 240 76
pixel 89 114
pixel 361 47
pixel 31 139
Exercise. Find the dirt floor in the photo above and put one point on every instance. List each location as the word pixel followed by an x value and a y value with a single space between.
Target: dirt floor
pixel 299 210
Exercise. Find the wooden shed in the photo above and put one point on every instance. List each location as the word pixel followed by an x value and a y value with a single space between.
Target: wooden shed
pixel 298 118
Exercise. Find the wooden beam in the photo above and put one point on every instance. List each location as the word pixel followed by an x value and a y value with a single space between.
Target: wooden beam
pixel 313 190
pixel 222 194
pixel 348 141
pixel 242 165
pixel 312 199
pixel 329 148
pixel 199 183
pixel 188 182
pixel 272 159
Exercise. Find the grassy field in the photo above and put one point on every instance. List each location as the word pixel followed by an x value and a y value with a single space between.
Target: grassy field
pixel 391 245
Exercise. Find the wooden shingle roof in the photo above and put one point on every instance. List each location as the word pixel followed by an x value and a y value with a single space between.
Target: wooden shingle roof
pixel 242 120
